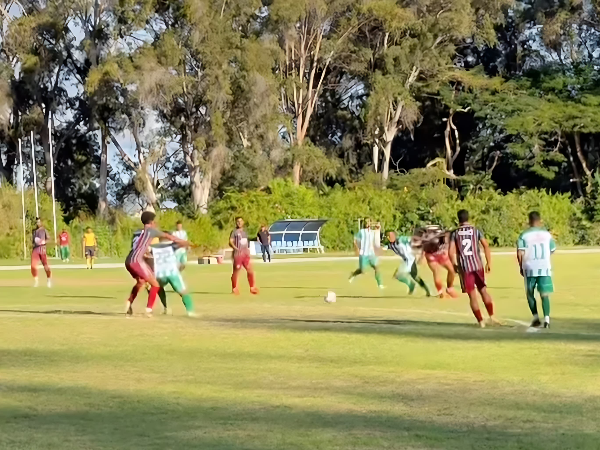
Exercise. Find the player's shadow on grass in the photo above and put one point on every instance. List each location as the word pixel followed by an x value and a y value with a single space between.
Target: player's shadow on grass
pixel 60 312
pixel 363 297
pixel 72 417
pixel 311 288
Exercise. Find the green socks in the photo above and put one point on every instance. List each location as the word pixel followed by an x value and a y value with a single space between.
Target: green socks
pixel 546 305
pixel 188 303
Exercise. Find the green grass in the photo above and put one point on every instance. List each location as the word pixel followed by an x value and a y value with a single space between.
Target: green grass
pixel 286 371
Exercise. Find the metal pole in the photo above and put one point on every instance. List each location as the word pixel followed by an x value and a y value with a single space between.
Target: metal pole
pixel 23 201
pixel 37 208
pixel 52 181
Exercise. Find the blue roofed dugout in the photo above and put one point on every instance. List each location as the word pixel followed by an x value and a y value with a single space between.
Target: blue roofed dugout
pixel 297 235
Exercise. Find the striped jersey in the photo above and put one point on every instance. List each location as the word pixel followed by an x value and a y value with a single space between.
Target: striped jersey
pixel 141 243
pixel 39 237
pixel 537 244
pixel 367 241
pixel 403 248
pixel 165 262
pixel 466 239
pixel 240 240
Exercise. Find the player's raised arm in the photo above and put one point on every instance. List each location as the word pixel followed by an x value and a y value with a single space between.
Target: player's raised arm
pixel 487 252
pixel 520 252
pixel 176 240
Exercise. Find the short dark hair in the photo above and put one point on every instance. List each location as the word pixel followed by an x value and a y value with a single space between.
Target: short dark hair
pixel 534 216
pixel 179 222
pixel 238 217
pixel 366 222
pixel 147 217
pixel 463 216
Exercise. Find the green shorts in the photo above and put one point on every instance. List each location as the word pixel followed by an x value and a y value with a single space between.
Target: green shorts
pixel 176 282
pixel 181 257
pixel 543 284
pixel 409 268
pixel 367 260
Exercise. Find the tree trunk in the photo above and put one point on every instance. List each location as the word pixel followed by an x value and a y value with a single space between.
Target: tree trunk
pixel 200 185
pixel 376 156
pixel 103 199
pixel 297 172
pixel 45 137
pixel 387 153
pixel 149 192
pixel 588 173
pixel 575 171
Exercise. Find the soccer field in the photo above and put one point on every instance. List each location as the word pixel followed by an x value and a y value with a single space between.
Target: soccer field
pixel 285 370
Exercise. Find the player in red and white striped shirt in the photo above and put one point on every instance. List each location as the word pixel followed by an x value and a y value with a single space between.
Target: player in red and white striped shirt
pixel 465 254
pixel 238 241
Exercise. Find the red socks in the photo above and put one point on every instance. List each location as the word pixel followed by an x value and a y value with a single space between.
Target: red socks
pixel 478 316
pixel 251 279
pixel 234 279
pixel 134 293
pixel 489 306
pixel 152 296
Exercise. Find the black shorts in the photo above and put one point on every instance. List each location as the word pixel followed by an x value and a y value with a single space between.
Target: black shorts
pixel 90 252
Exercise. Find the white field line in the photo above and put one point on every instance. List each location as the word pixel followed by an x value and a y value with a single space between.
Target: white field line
pixel 274 261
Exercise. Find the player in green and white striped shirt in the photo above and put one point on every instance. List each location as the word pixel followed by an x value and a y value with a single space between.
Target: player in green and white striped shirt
pixel 534 248
pixel 366 244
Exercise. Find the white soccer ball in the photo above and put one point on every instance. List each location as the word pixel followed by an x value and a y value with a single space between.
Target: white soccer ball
pixel 330 297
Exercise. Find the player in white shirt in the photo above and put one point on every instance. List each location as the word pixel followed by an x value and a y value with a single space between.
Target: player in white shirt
pixel 367 244
pixel 534 248
pixel 181 253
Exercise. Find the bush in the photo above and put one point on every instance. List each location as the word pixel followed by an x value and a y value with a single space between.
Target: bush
pixel 411 200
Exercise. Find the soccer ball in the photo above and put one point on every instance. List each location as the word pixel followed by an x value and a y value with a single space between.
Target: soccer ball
pixel 330 297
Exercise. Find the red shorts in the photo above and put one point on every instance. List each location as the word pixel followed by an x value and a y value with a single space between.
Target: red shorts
pixel 471 280
pixel 39 255
pixel 240 261
pixel 139 270
pixel 439 258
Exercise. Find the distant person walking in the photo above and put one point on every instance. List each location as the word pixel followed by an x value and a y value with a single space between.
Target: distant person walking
pixel 264 237
pixel 90 246
pixel 40 239
pixel 65 245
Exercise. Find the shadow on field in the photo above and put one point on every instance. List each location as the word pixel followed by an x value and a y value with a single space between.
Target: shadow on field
pixel 61 312
pixel 74 417
pixel 562 330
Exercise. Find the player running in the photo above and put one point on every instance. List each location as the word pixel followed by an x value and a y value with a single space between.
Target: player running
pixel 366 245
pixel 534 247
pixel 434 242
pixel 90 244
pixel 65 246
pixel 167 271
pixel 38 254
pixel 465 255
pixel 138 267
pixel 238 241
pixel 407 272
pixel 181 252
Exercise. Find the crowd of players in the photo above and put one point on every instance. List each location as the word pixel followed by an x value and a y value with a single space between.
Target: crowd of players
pixel 458 252
pixel 157 259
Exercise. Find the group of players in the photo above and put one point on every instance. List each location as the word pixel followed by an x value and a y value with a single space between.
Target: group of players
pixel 458 252
pixel 157 259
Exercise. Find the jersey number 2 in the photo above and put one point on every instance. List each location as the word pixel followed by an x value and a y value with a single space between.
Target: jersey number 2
pixel 467 247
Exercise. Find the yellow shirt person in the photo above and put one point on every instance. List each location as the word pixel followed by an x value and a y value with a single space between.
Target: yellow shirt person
pixel 90 244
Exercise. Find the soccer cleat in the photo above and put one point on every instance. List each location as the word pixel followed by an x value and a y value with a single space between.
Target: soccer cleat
pixel 36 282
pixel 49 282
pixel 235 291
pixel 381 287
pixel 254 290
pixel 128 309
pixel 167 312
pixel 351 279
pixel 148 312
pixel 536 323
pixel 411 288
pixel 495 322
pixel 546 324
pixel 482 324
pixel 452 292
pixel 193 315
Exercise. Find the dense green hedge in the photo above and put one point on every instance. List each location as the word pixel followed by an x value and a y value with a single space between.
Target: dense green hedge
pixel 409 201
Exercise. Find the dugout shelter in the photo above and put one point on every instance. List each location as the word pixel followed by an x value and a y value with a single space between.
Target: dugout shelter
pixel 297 235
